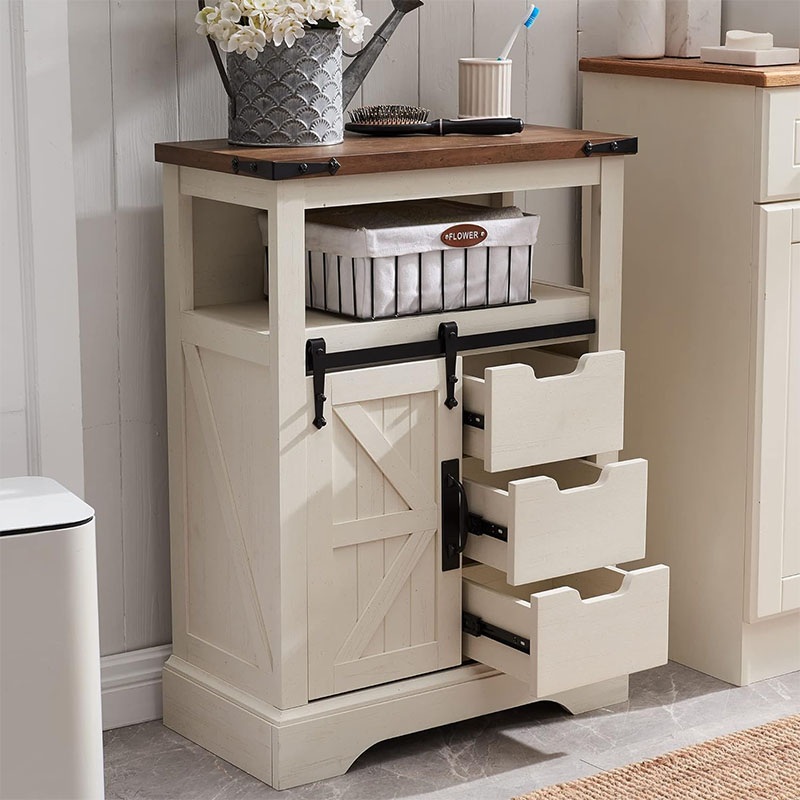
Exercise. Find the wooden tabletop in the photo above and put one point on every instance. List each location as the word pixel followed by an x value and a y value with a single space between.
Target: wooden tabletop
pixel 371 154
pixel 692 69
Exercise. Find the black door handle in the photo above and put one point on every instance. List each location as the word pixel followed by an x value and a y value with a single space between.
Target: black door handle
pixel 463 513
pixel 455 515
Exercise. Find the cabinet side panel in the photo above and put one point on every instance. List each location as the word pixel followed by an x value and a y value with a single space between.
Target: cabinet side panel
pixel 229 596
pixel 687 336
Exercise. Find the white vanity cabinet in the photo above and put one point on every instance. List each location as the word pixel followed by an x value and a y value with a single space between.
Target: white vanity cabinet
pixel 383 526
pixel 711 329
pixel 776 439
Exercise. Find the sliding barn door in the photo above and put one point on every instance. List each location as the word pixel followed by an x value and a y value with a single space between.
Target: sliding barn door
pixel 380 607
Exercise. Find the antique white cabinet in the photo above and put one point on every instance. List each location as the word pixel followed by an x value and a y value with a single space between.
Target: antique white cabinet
pixel 711 326
pixel 325 474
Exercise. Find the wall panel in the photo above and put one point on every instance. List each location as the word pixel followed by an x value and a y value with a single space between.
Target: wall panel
pixel 98 283
pixel 445 34
pixel 395 76
pixel 13 422
pixel 145 110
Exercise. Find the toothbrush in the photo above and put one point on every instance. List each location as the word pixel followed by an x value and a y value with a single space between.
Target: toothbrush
pixel 527 24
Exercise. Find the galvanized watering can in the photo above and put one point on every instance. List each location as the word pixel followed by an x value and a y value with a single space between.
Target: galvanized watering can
pixel 295 96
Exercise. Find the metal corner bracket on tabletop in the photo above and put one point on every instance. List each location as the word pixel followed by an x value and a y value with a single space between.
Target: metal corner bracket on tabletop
pixel 282 170
pixel 620 147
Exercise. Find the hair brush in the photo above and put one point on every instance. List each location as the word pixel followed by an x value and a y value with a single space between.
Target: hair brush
pixel 404 120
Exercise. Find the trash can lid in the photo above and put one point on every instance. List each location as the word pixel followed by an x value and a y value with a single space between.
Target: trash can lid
pixel 33 504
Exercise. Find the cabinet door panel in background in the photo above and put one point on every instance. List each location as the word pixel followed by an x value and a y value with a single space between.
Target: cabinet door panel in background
pixel 791 519
pixel 380 608
pixel 776 510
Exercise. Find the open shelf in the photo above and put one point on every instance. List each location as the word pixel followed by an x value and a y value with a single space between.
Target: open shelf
pixel 242 329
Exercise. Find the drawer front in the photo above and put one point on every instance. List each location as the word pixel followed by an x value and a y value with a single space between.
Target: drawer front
pixel 780 144
pixel 557 519
pixel 579 630
pixel 529 419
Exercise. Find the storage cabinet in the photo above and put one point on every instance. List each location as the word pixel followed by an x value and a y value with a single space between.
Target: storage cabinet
pixel 711 329
pixel 329 506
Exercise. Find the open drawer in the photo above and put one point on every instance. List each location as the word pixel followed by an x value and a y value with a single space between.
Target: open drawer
pixel 539 522
pixel 569 632
pixel 545 408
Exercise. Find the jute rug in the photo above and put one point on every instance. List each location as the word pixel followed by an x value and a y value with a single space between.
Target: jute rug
pixel 758 764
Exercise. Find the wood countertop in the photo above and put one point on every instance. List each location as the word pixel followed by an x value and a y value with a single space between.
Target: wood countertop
pixel 359 155
pixel 692 69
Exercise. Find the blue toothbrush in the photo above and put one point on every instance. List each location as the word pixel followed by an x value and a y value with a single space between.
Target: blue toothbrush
pixel 527 24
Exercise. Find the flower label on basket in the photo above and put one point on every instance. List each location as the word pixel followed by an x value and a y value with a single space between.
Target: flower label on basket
pixel 464 235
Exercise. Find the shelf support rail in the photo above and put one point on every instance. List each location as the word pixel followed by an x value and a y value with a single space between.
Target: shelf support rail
pixel 447 344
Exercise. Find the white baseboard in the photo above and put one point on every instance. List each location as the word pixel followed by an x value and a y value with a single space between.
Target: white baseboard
pixel 132 686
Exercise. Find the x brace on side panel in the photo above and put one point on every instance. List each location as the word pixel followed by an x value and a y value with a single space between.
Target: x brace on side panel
pixel 447 344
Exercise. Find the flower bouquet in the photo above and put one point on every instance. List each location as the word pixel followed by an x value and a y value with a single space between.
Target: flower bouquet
pixel 245 26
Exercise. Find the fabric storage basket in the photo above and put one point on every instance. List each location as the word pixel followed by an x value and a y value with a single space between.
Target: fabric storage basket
pixel 416 257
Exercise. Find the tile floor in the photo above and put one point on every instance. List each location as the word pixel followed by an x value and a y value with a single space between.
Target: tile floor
pixel 496 756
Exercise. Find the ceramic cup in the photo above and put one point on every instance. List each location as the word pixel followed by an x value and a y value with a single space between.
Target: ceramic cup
pixel 641 28
pixel 484 87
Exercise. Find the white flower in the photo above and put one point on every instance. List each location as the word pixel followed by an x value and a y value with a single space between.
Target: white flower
pixel 205 18
pixel 258 11
pixel 230 10
pixel 248 41
pixel 287 30
pixel 260 6
pixel 222 32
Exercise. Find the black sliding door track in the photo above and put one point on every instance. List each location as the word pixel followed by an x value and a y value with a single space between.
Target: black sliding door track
pixel 448 344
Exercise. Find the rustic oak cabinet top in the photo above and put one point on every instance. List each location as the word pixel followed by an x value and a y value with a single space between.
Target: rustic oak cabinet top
pixel 359 155
pixel 692 69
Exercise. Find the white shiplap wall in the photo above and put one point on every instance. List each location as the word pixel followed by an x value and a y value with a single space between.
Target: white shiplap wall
pixel 40 390
pixel 13 405
pixel 140 74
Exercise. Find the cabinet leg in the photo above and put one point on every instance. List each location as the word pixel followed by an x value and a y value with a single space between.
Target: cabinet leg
pixel 594 696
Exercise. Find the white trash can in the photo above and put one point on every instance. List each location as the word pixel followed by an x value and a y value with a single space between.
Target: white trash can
pixel 51 737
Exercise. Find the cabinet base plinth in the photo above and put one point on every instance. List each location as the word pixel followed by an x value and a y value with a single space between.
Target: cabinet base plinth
pixel 322 739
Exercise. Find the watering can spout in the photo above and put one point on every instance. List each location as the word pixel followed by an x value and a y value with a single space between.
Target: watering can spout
pixel 354 75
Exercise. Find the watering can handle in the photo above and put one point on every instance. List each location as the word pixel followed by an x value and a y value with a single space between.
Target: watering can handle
pixel 220 66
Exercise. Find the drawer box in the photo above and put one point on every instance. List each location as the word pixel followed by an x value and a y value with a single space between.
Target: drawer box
pixel 551 408
pixel 580 629
pixel 780 144
pixel 557 518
